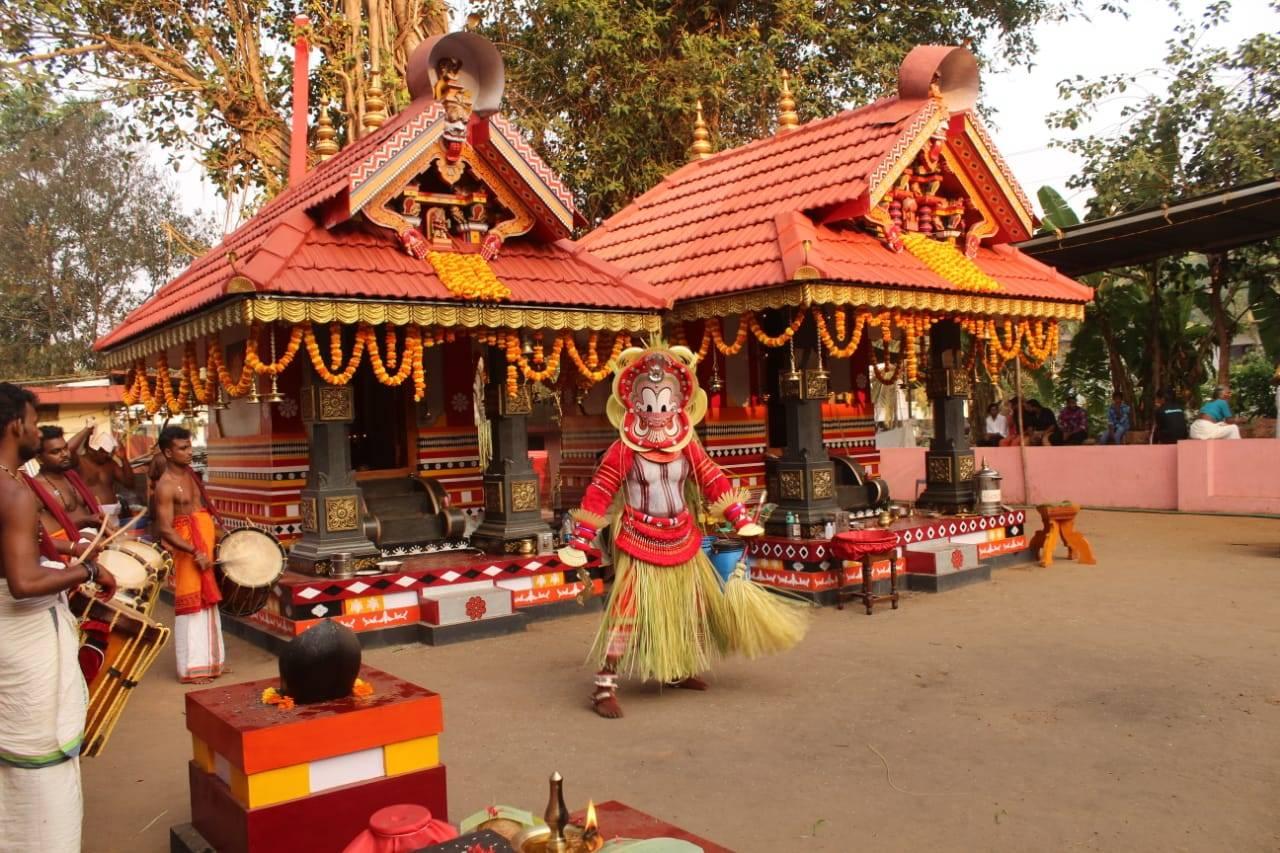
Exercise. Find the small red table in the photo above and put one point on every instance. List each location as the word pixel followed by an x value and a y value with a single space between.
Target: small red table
pixel 866 547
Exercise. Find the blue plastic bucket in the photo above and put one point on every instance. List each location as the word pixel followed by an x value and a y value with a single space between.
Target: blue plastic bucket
pixel 725 556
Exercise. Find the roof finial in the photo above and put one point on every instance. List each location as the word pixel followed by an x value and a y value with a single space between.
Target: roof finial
pixel 701 147
pixel 787 118
pixel 375 109
pixel 326 144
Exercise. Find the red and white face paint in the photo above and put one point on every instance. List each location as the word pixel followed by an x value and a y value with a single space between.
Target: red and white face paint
pixel 656 389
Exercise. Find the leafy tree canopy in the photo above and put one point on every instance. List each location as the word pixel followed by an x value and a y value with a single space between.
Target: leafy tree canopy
pixel 86 231
pixel 606 88
pixel 217 76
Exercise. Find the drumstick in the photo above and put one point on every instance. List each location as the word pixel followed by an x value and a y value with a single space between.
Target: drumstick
pixel 99 542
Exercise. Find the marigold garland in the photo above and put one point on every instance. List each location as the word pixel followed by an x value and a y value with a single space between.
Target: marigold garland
pixel 777 340
pixel 376 361
pixel 620 342
pixel 717 332
pixel 835 349
pixel 279 366
pixel 323 370
pixel 948 262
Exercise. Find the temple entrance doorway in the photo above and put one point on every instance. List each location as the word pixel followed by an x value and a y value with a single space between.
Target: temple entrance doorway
pixel 381 438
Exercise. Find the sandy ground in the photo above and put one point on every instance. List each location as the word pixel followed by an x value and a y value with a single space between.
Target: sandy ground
pixel 1128 706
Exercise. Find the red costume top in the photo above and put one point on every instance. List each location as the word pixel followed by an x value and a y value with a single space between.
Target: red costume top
pixel 655 525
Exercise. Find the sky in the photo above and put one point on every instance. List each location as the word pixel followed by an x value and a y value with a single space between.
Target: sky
pixel 1094 45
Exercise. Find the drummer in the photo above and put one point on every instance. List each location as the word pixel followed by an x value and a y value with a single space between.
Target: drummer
pixel 185 523
pixel 67 503
pixel 103 463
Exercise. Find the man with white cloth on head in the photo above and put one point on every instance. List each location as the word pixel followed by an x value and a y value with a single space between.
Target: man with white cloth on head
pixel 103 464
pixel 1213 420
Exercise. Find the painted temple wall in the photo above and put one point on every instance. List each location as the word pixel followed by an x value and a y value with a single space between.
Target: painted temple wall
pixel 1192 476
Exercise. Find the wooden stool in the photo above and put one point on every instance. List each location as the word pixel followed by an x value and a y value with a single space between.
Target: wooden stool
pixel 1059 521
pixel 867 547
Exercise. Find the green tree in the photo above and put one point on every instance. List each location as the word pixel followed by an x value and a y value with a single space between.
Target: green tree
pixel 84 231
pixel 1211 122
pixel 605 88
pixel 216 76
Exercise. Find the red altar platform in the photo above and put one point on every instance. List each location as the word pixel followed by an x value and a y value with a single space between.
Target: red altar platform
pixel 308 778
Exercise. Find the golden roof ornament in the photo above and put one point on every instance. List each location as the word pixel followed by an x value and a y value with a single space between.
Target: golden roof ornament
pixel 787 118
pixel 375 108
pixel 326 144
pixel 701 147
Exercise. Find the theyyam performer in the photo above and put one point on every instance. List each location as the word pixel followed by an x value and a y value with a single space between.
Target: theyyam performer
pixel 668 615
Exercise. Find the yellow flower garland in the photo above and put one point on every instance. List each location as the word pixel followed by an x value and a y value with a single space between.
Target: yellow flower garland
pixel 948 262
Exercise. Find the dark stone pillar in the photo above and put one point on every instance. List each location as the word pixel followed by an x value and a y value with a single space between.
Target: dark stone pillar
pixel 332 519
pixel 802 480
pixel 949 464
pixel 512 504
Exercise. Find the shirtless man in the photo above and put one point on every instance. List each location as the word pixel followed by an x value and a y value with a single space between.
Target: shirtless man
pixel 67 504
pixel 42 692
pixel 103 463
pixel 186 525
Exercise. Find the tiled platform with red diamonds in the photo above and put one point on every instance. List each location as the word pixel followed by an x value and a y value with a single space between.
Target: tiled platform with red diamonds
pixel 431 598
pixel 933 555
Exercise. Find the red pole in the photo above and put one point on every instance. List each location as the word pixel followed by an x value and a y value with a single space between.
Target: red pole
pixel 298 134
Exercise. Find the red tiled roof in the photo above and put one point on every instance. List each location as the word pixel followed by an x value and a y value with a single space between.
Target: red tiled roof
pixel 737 220
pixel 286 249
pixel 78 395
pixel 351 261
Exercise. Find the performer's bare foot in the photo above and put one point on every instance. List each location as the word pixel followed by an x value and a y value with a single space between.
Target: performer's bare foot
pixel 605 698
pixel 693 682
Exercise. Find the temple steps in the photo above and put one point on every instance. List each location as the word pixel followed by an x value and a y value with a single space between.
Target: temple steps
pixel 404 510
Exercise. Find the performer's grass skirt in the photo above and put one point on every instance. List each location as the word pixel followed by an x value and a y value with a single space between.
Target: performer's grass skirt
pixel 670 622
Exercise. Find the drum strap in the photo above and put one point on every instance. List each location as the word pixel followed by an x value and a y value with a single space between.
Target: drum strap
pixel 54 506
pixel 204 497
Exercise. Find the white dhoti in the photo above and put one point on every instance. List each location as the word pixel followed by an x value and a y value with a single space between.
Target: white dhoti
pixel 111 512
pixel 197 644
pixel 1208 430
pixel 43 700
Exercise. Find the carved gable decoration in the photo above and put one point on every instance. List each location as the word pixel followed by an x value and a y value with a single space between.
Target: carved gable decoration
pixel 456 173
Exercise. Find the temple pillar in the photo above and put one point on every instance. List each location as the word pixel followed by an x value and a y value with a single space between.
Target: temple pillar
pixel 332 519
pixel 949 463
pixel 512 507
pixel 801 480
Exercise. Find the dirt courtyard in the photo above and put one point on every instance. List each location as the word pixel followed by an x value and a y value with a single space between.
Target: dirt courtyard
pixel 1129 706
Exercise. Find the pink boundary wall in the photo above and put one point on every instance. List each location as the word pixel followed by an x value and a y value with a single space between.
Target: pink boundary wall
pixel 1193 476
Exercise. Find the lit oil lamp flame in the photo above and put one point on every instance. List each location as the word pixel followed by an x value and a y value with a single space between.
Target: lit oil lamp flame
pixel 591 838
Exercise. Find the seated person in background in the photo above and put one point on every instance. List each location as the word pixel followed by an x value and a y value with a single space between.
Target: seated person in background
pixel 1213 420
pixel 1119 418
pixel 1170 425
pixel 1038 422
pixel 997 427
pixel 1073 425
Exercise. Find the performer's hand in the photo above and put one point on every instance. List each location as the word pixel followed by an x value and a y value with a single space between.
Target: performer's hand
pixel 572 557
pixel 106 584
pixel 750 529
pixel 81 548
pixel 203 562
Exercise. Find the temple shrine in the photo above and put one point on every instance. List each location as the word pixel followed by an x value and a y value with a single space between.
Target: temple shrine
pixel 402 354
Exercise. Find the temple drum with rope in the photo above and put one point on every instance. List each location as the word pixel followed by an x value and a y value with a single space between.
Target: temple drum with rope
pixel 406 359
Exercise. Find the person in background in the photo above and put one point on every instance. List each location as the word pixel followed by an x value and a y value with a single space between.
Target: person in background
pixel 1213 420
pixel 1038 422
pixel 1119 419
pixel 1170 425
pixel 1073 424
pixel 997 429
